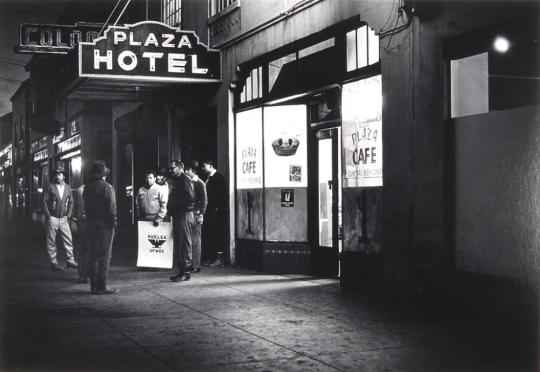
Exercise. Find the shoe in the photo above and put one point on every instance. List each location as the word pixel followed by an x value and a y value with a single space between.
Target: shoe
pixel 181 277
pixel 197 270
pixel 106 291
pixel 216 263
pixel 56 267
pixel 71 264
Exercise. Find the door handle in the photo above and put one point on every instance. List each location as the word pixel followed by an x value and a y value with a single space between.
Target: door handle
pixel 330 183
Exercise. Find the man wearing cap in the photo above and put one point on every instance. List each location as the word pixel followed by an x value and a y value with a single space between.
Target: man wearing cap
pixel 57 207
pixel 100 205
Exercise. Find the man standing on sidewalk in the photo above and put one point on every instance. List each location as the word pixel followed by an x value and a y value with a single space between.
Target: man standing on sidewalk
pixel 100 204
pixel 180 207
pixel 57 206
pixel 215 217
pixel 200 207
pixel 151 200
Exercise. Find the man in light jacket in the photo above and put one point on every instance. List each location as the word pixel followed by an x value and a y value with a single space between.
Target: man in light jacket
pixel 151 200
pixel 57 206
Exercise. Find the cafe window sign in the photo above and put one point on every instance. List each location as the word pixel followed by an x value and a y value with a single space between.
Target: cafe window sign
pixel 249 163
pixel 149 51
pixel 362 133
pixel 285 146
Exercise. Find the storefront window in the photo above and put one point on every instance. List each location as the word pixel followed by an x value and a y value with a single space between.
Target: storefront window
pixel 362 133
pixel 285 146
pixel 249 163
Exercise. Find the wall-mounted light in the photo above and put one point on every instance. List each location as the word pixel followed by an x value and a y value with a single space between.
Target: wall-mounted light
pixel 501 44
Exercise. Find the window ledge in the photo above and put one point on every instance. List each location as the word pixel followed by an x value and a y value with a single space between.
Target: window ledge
pixel 223 12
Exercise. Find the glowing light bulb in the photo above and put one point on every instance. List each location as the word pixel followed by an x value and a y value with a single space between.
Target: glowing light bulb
pixel 501 44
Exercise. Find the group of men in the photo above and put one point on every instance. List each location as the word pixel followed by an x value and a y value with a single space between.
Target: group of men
pixel 197 209
pixel 91 210
pixel 90 213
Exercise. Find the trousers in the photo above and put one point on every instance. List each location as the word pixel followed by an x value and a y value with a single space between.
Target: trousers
pixel 213 238
pixel 100 239
pixel 80 245
pixel 54 226
pixel 183 225
pixel 196 242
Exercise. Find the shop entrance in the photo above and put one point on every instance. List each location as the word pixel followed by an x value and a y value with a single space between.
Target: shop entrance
pixel 327 218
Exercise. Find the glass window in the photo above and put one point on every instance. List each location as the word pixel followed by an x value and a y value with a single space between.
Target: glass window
pixel 285 146
pixel 249 164
pixel 469 85
pixel 217 6
pixel 275 67
pixel 362 48
pixel 373 47
pixel 316 48
pixel 172 12
pixel 362 149
pixel 252 88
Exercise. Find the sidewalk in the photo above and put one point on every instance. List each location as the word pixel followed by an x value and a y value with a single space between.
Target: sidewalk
pixel 224 319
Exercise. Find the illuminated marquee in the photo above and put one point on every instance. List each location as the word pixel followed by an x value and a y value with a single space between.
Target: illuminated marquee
pixel 149 51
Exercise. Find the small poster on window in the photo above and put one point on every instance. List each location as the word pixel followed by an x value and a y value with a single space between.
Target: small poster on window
pixel 295 173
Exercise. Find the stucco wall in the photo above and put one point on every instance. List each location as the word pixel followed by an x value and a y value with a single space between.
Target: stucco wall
pixel 497 192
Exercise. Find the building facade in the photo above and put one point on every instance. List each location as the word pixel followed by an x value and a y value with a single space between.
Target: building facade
pixel 365 139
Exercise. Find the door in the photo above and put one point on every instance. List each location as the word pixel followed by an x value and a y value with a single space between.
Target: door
pixel 328 190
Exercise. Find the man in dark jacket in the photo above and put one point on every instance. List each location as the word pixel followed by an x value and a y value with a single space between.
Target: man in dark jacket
pixel 215 217
pixel 200 207
pixel 57 207
pixel 180 207
pixel 100 205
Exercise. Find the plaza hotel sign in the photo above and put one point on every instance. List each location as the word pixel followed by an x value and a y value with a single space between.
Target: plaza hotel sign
pixel 149 51
pixel 145 51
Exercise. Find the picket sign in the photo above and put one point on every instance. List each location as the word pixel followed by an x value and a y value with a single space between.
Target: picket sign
pixel 155 245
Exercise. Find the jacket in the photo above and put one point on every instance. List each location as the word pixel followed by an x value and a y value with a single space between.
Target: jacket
pixel 182 196
pixel 100 202
pixel 55 205
pixel 216 191
pixel 201 200
pixel 152 202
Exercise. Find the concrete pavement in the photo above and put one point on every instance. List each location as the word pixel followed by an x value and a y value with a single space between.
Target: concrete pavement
pixel 226 319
